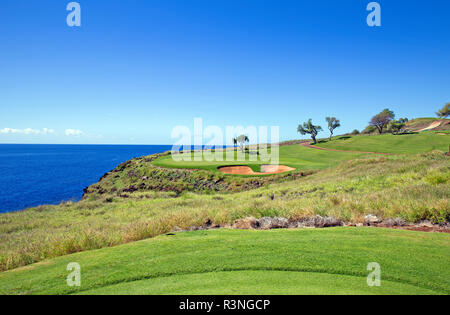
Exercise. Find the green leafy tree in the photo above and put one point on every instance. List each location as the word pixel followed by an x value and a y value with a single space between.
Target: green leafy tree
pixel 381 120
pixel 333 123
pixel 309 128
pixel 241 140
pixel 396 126
pixel 444 112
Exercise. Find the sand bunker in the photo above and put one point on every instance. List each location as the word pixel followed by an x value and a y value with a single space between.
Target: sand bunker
pixel 265 170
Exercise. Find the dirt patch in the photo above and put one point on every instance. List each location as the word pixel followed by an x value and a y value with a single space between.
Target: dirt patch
pixel 432 126
pixel 265 170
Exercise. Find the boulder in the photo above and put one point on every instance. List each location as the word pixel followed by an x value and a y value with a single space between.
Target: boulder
pixel 371 219
pixel 394 222
pixel 267 223
pixel 319 222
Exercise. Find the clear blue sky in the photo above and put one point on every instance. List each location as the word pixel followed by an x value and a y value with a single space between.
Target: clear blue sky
pixel 137 68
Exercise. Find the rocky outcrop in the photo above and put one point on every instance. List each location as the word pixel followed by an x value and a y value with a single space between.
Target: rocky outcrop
pixel 268 223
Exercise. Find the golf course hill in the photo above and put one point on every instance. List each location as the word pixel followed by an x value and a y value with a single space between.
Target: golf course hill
pixel 157 226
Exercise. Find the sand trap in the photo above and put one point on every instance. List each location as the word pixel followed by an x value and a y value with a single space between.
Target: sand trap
pixel 265 170
pixel 432 126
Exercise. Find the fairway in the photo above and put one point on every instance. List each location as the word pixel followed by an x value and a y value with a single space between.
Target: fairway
pixel 304 261
pixel 388 143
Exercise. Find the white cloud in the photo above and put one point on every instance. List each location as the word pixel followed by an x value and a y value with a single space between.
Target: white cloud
pixel 9 130
pixel 74 132
pixel 27 131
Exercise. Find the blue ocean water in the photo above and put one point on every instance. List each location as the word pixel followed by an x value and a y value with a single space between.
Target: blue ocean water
pixel 32 175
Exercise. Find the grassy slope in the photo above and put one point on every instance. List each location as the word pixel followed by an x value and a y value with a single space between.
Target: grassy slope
pixel 387 143
pixel 234 262
pixel 293 155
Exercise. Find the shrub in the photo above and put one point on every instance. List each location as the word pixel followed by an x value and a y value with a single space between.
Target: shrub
pixel 369 130
pixel 435 178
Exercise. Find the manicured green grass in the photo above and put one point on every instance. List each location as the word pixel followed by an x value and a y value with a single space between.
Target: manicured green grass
pixel 387 143
pixel 295 156
pixel 252 282
pixel 251 262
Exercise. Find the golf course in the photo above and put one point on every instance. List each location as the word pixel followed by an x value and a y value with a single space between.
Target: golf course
pixel 159 226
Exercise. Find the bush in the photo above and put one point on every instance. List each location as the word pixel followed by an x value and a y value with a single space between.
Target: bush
pixel 355 132
pixel 435 177
pixel 369 130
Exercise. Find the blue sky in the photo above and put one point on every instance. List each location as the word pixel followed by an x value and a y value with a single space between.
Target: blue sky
pixel 137 68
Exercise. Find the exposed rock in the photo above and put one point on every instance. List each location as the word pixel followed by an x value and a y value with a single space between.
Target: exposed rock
pixel 317 222
pixel 371 219
pixel 267 223
pixel 394 222
pixel 132 173
pixel 327 222
pixel 426 223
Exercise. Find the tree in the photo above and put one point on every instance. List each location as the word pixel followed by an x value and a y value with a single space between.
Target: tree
pixel 397 125
pixel 241 140
pixel 309 128
pixel 444 112
pixel 381 120
pixel 333 123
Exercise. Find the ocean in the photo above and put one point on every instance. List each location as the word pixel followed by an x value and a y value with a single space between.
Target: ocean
pixel 33 175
